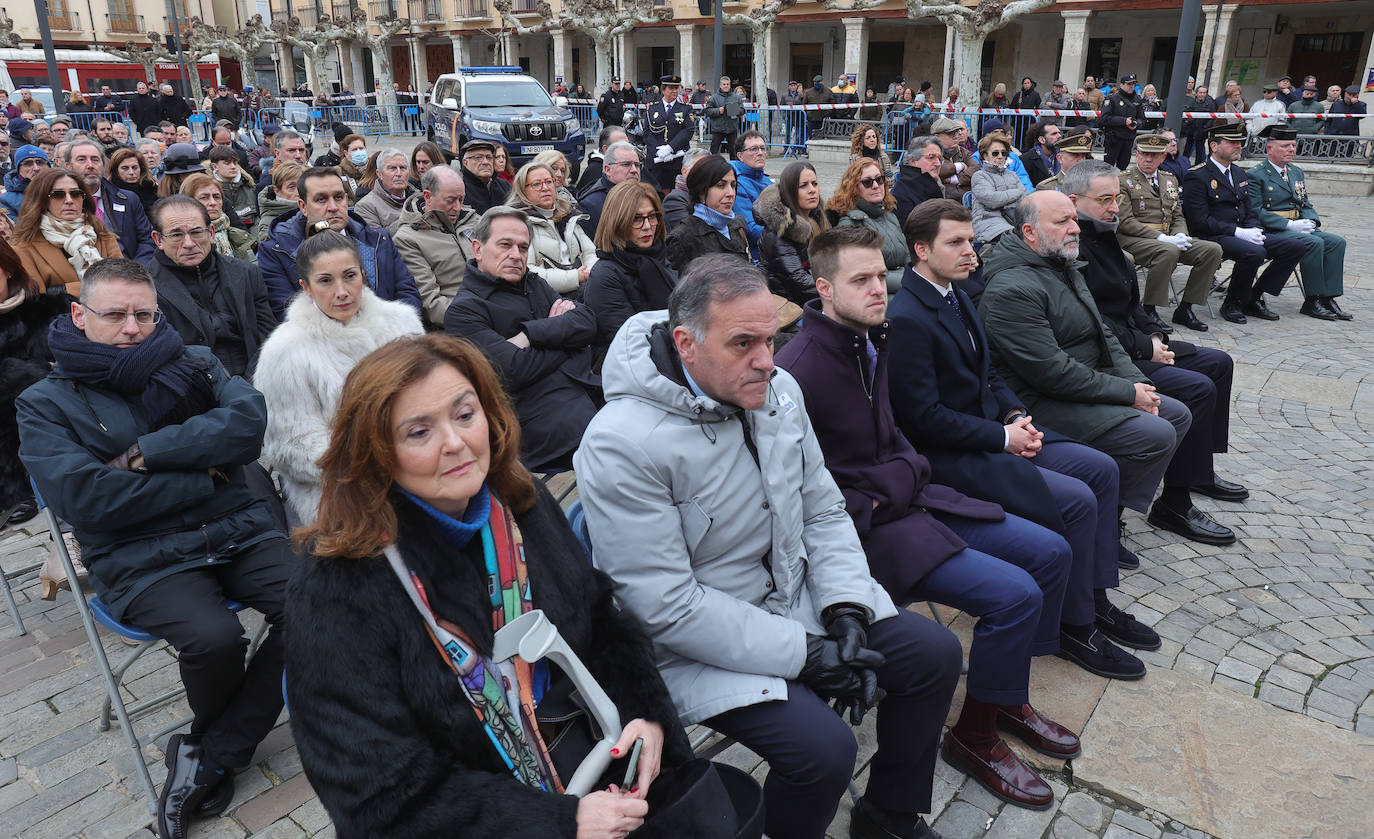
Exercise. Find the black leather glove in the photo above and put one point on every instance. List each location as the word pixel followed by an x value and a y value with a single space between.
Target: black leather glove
pixel 847 624
pixel 824 672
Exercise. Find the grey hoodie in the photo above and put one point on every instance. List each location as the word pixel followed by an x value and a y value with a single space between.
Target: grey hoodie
pixel 727 562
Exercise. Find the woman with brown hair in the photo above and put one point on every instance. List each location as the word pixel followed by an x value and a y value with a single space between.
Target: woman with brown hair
pixel 58 235
pixel 502 168
pixel 631 274
pixel 863 197
pixel 129 171
pixel 791 214
pixel 867 143
pixel 229 239
pixel 424 155
pixel 278 199
pixel 353 164
pixel 431 535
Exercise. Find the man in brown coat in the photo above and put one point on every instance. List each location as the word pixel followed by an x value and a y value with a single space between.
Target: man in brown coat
pixel 956 173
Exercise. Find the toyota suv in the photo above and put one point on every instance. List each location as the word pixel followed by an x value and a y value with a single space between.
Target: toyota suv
pixel 505 106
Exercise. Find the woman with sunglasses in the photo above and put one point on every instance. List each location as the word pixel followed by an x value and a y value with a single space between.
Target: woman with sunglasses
pixel 863 198
pixel 996 189
pixel 713 226
pixel 632 274
pixel 560 250
pixel 58 235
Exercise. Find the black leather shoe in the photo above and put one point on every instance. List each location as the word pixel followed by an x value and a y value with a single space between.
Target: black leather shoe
pixel 1313 307
pixel 1125 630
pixel 867 822
pixel 1230 310
pixel 1157 321
pixel 1222 490
pixel 25 511
pixel 181 795
pixel 1100 656
pixel 1336 309
pixel 217 799
pixel 1183 316
pixel 1259 309
pixel 1125 559
pixel 1191 524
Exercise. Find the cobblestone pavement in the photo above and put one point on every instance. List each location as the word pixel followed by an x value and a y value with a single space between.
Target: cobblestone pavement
pixel 1285 617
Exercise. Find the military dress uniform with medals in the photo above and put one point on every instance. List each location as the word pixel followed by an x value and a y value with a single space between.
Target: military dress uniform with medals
pixel 1216 203
pixel 1153 207
pixel 669 124
pixel 1281 197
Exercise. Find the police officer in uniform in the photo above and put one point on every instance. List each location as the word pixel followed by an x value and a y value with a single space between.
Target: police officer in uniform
pixel 1072 149
pixel 1151 229
pixel 611 108
pixel 1216 203
pixel 668 132
pixel 1278 192
pixel 1122 112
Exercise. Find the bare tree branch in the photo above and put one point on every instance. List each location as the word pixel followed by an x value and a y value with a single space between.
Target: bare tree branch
pixel 145 55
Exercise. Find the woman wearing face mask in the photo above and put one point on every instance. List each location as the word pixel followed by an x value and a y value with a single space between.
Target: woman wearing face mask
pixel 129 171
pixel 353 162
pixel 996 189
pixel 713 226
pixel 791 214
pixel 58 235
pixel 330 326
pixel 560 250
pixel 278 199
pixel 863 198
pixel 229 240
pixel 632 273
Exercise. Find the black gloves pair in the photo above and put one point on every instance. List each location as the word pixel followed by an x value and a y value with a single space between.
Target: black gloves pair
pixel 841 666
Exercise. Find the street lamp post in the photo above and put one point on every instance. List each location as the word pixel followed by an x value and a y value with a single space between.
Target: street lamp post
pixel 59 102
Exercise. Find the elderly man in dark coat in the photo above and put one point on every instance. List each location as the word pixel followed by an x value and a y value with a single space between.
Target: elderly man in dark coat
pixel 922 540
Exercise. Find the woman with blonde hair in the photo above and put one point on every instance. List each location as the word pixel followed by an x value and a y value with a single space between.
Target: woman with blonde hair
pixel 996 189
pixel 867 143
pixel 632 273
pixel 863 197
pixel 59 234
pixel 229 240
pixel 560 250
pixel 558 165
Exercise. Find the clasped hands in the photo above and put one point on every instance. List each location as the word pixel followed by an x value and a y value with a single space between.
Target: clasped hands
pixel 1253 235
pixel 840 666
pixel 1179 240
pixel 1302 225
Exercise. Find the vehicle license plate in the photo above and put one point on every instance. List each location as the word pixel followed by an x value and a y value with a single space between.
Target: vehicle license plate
pixel 535 149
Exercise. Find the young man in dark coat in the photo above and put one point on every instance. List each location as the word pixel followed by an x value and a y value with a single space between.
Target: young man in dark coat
pixel 211 300
pixel 149 466
pixel 925 541
pixel 980 439
pixel 1199 377
pixel 539 343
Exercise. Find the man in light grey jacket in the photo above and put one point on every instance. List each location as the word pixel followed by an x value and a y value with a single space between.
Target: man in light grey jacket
pixel 709 504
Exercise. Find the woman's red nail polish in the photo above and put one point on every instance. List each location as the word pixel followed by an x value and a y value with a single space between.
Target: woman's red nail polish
pixel 615 752
pixel 635 790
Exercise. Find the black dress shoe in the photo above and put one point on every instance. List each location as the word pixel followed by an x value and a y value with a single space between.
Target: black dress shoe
pixel 1230 310
pixel 1222 490
pixel 867 821
pixel 217 799
pixel 1183 316
pixel 1313 307
pixel 1157 322
pixel 1259 309
pixel 1191 524
pixel 1336 309
pixel 181 794
pixel 1100 656
pixel 1125 630
pixel 1125 559
pixel 22 513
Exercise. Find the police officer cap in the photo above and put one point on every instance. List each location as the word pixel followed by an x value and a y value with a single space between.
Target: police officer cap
pixel 1279 132
pixel 670 80
pixel 615 80
pixel 1227 131
pixel 1129 78
pixel 1076 143
pixel 1154 143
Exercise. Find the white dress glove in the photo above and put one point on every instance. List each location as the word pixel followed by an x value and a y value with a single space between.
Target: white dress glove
pixel 663 153
pixel 1253 235
pixel 1302 225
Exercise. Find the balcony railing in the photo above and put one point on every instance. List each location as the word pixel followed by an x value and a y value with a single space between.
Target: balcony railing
pixel 527 7
pixel 61 19
pixel 124 22
pixel 380 8
pixel 426 10
pixel 471 9
pixel 307 12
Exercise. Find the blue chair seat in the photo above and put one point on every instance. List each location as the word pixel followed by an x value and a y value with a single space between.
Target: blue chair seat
pixel 102 616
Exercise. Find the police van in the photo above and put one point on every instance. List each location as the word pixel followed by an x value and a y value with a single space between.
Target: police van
pixel 505 106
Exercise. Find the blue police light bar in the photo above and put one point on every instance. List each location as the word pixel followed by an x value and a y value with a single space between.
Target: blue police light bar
pixel 491 69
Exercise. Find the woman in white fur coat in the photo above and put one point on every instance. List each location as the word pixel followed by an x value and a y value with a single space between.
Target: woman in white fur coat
pixel 329 328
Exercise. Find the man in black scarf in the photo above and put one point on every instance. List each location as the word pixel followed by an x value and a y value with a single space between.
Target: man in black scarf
pixel 141 443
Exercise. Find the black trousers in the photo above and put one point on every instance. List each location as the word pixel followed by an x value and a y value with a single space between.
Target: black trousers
pixel 1283 253
pixel 1202 381
pixel 726 139
pixel 1117 150
pixel 234 706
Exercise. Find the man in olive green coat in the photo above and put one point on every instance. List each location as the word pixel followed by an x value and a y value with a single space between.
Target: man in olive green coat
pixel 1050 346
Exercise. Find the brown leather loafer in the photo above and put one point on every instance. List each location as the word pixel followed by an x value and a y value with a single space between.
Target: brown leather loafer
pixel 1002 773
pixel 1038 731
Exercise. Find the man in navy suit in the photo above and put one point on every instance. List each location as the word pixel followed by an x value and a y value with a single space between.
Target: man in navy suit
pixel 980 440
pixel 1216 205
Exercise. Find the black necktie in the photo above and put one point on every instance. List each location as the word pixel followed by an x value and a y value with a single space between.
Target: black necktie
pixel 963 317
pixel 1154 184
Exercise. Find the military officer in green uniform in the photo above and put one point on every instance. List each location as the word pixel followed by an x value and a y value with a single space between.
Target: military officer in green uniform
pixel 668 132
pixel 1278 192
pixel 1151 228
pixel 1073 148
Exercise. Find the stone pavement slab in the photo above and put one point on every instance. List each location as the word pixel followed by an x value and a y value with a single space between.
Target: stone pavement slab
pixel 1227 764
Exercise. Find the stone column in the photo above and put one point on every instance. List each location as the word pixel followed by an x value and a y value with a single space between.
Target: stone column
pixel 855 51
pixel 288 67
pixel 562 56
pixel 355 60
pixel 629 72
pixel 687 55
pixel 1365 97
pixel 460 51
pixel 1222 27
pixel 1075 59
pixel 419 66
pixel 948 71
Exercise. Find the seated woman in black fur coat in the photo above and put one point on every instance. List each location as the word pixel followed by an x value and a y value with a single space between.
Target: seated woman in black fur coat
pixel 425 527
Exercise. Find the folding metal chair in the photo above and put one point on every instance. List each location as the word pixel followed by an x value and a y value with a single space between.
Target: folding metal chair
pixel 5 579
pixel 94 612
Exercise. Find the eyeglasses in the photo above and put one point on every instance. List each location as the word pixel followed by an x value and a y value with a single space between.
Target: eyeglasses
pixel 540 185
pixel 477 158
pixel 651 220
pixel 176 237
pixel 63 194
pixel 754 149
pixel 869 183
pixel 1108 200
pixel 143 317
pixel 997 154
pixel 628 164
